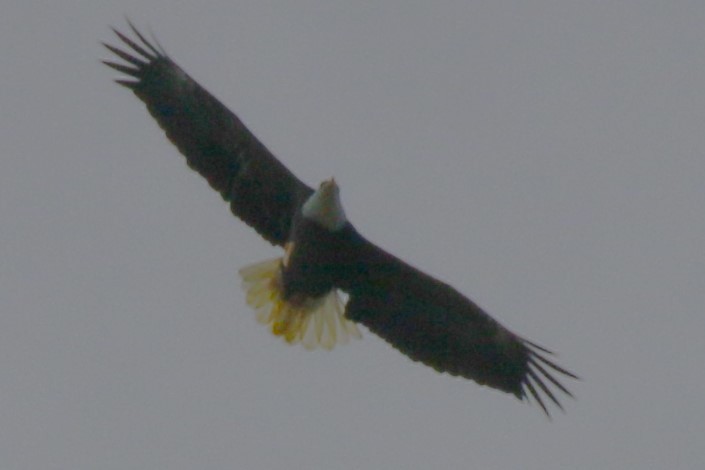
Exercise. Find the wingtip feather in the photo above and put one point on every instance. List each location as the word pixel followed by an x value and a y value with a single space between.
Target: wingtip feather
pixel 536 397
pixel 146 43
pixel 540 380
pixel 136 47
pixel 125 56
pixel 127 83
pixel 122 68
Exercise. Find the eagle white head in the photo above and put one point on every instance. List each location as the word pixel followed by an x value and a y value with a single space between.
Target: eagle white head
pixel 324 207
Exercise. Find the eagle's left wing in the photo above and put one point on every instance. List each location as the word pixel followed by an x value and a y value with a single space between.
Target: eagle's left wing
pixel 433 323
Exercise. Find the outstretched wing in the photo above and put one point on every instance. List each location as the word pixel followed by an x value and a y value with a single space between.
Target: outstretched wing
pixel 261 191
pixel 431 322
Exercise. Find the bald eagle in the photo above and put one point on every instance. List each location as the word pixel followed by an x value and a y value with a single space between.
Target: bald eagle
pixel 297 295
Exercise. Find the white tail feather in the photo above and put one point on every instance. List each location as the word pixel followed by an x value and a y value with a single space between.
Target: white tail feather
pixel 313 322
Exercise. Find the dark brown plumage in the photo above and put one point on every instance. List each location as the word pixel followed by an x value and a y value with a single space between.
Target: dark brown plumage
pixel 424 318
pixel 216 143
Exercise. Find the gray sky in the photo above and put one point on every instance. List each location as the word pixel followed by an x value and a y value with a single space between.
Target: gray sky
pixel 546 158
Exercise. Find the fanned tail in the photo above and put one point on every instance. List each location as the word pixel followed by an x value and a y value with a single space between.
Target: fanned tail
pixel 313 322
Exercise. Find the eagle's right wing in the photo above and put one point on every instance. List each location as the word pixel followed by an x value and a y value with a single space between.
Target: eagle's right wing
pixel 261 191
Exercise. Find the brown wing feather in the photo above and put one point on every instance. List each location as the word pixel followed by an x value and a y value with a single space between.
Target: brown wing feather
pixel 261 191
pixel 431 322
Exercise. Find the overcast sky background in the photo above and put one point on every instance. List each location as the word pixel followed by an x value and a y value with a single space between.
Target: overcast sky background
pixel 547 158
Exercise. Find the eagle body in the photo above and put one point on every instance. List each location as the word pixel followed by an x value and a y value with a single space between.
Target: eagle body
pixel 298 295
pixel 317 249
